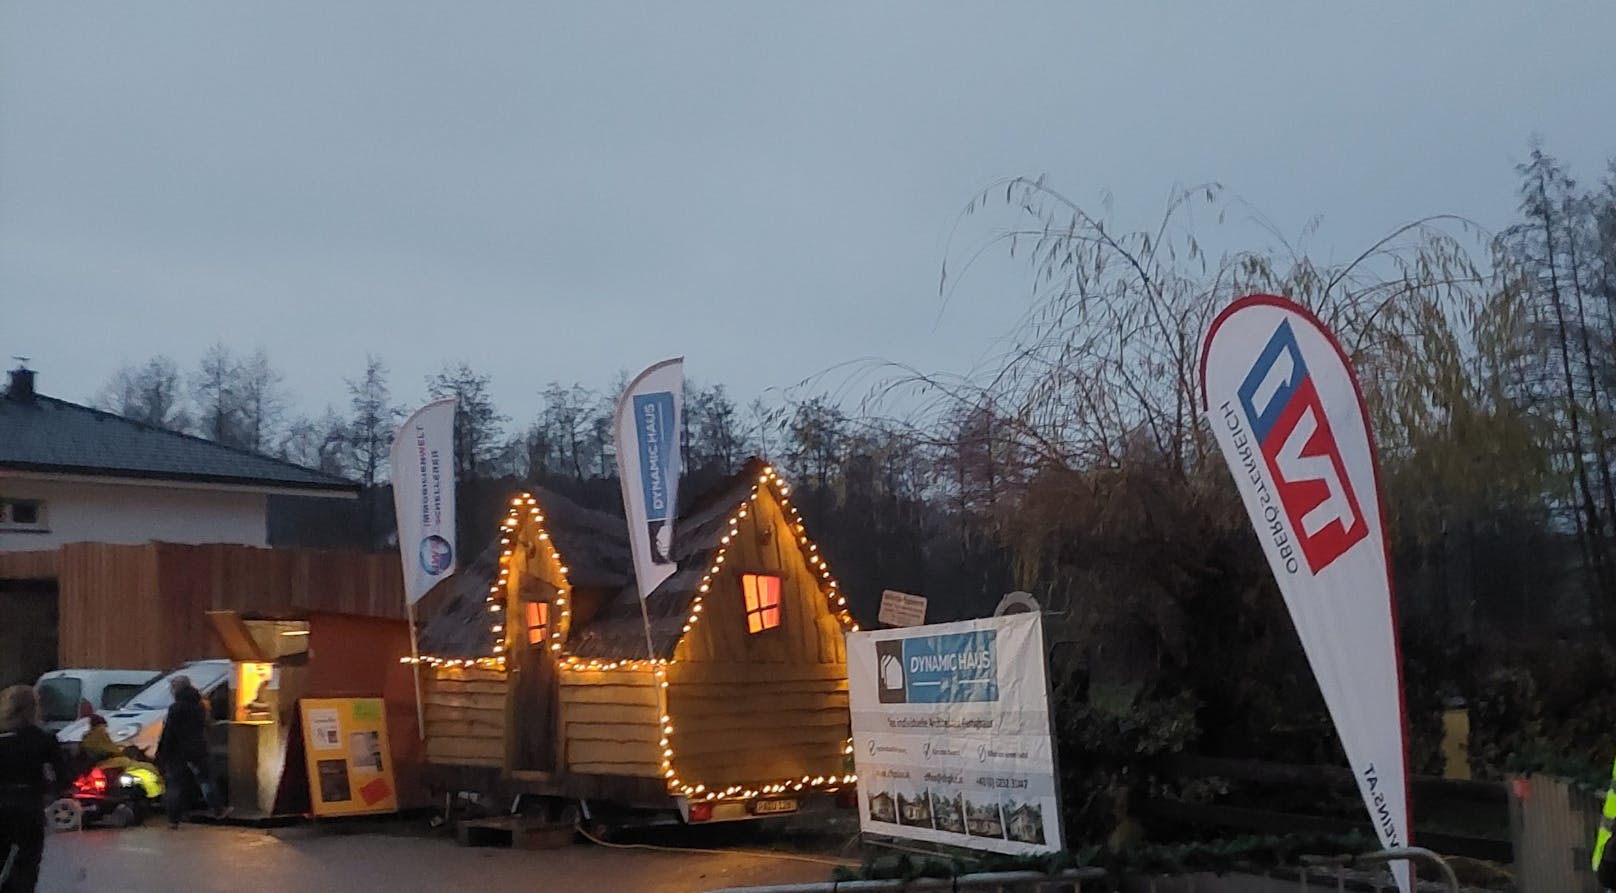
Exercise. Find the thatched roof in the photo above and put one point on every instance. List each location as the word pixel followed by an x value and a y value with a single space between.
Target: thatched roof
pixel 453 616
pixel 618 630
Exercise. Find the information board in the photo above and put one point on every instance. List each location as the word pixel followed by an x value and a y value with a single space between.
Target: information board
pixel 350 766
pixel 951 734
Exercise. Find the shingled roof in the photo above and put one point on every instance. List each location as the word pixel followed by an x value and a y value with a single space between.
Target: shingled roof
pixel 594 545
pixel 51 436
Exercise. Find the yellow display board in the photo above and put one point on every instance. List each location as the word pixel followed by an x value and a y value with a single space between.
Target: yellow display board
pixel 350 766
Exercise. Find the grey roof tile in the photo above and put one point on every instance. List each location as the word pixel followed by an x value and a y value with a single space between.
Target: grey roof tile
pixel 45 434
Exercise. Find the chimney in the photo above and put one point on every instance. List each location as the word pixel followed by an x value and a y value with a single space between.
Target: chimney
pixel 21 388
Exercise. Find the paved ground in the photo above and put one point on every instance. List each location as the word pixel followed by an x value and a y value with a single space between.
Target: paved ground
pixel 203 859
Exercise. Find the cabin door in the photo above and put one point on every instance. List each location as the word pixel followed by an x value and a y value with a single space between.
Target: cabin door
pixel 534 692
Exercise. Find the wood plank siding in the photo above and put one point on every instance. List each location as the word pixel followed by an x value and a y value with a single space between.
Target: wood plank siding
pixel 611 722
pixel 465 716
pixel 756 708
pixel 146 605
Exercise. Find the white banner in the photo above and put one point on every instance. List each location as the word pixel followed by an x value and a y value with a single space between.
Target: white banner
pixel 423 471
pixel 1288 414
pixel 647 435
pixel 951 734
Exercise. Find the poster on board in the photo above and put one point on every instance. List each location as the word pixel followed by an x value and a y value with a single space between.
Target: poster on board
pixel 951 734
pixel 350 767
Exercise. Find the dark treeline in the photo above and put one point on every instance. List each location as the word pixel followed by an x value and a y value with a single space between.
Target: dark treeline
pixel 1075 466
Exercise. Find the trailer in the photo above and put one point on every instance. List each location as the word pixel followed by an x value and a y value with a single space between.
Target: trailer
pixel 723 697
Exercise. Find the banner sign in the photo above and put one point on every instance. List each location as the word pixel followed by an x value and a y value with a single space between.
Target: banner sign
pixel 951 734
pixel 648 431
pixel 349 764
pixel 423 475
pixel 1289 417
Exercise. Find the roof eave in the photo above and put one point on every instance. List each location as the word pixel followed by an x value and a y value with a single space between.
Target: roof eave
pixel 137 477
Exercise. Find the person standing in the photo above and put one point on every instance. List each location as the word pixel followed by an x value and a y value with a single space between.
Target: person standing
pixel 31 765
pixel 182 752
pixel 1604 854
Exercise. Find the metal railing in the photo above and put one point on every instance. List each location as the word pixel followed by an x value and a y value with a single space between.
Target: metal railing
pixel 985 881
pixel 1073 880
pixel 1401 854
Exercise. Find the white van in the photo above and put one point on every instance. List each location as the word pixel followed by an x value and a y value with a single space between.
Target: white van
pixel 139 722
pixel 67 695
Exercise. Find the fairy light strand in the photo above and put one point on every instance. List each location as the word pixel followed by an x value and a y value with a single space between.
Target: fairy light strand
pixel 511 529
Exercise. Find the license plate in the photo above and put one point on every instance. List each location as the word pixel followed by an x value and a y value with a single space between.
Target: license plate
pixel 773 807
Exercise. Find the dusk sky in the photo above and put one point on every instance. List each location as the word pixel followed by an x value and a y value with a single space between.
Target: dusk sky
pixel 563 191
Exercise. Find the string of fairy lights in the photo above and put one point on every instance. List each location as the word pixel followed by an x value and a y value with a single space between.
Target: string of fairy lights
pixel 525 507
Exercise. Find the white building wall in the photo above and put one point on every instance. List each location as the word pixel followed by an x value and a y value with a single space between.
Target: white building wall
pixel 78 512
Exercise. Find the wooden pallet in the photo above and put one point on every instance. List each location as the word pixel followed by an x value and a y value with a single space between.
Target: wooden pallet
pixel 516 832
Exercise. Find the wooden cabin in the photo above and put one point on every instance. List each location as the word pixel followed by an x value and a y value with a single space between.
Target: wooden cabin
pixel 540 675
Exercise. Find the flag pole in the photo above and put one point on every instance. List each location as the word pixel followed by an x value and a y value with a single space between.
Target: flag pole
pixel 624 429
pixel 415 671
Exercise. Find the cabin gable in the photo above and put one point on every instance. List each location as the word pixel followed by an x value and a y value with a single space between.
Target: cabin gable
pixel 808 633
pixel 750 709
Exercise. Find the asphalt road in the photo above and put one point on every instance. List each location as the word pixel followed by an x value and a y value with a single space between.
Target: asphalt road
pixel 204 859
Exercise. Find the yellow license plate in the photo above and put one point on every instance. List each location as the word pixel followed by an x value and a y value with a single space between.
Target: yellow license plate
pixel 773 807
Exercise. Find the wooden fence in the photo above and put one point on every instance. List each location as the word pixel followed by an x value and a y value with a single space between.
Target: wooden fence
pixel 146 605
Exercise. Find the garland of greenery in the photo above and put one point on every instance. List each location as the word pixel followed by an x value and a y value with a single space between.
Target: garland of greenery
pixel 1217 856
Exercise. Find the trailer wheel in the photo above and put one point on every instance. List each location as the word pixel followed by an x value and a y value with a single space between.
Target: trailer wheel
pixel 600 830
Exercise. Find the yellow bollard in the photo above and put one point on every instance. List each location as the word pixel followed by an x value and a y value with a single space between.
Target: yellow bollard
pixel 1456 743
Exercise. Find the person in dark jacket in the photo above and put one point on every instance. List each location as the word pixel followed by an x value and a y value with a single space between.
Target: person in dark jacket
pixel 182 752
pixel 31 765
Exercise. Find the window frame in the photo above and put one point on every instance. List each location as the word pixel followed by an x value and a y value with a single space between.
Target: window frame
pixel 40 524
pixel 541 627
pixel 758 610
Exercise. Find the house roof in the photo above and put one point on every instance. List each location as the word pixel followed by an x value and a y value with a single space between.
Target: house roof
pixel 594 546
pixel 453 615
pixel 618 630
pixel 51 436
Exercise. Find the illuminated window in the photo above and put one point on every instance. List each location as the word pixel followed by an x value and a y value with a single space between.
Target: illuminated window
pixel 762 602
pixel 538 622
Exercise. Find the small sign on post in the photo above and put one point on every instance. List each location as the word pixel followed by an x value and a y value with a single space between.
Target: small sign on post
pixel 902 609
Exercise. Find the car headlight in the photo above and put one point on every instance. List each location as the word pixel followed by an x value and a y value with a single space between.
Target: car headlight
pixel 125 732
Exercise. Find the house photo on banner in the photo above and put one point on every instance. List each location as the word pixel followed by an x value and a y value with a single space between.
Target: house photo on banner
pixel 538 676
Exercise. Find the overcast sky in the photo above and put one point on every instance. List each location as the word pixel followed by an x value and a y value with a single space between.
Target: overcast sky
pixel 563 191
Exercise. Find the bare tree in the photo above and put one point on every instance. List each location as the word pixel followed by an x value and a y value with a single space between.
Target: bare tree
pixel 714 442
pixel 372 420
pixel 150 392
pixel 478 423
pixel 260 399
pixel 214 389
pixel 319 443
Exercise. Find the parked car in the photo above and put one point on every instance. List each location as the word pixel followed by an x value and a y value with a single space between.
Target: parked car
pixel 67 695
pixel 139 722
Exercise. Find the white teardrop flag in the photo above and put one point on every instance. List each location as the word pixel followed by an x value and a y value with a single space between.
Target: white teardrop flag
pixel 1289 417
pixel 648 430
pixel 423 470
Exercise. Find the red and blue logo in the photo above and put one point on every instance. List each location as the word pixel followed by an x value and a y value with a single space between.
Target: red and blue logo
pixel 1293 432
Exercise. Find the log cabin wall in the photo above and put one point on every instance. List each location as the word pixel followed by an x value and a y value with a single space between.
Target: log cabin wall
pixel 751 708
pixel 612 721
pixel 465 716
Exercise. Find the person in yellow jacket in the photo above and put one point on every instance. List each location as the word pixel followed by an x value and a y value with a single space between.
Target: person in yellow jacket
pixel 1604 854
pixel 97 745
